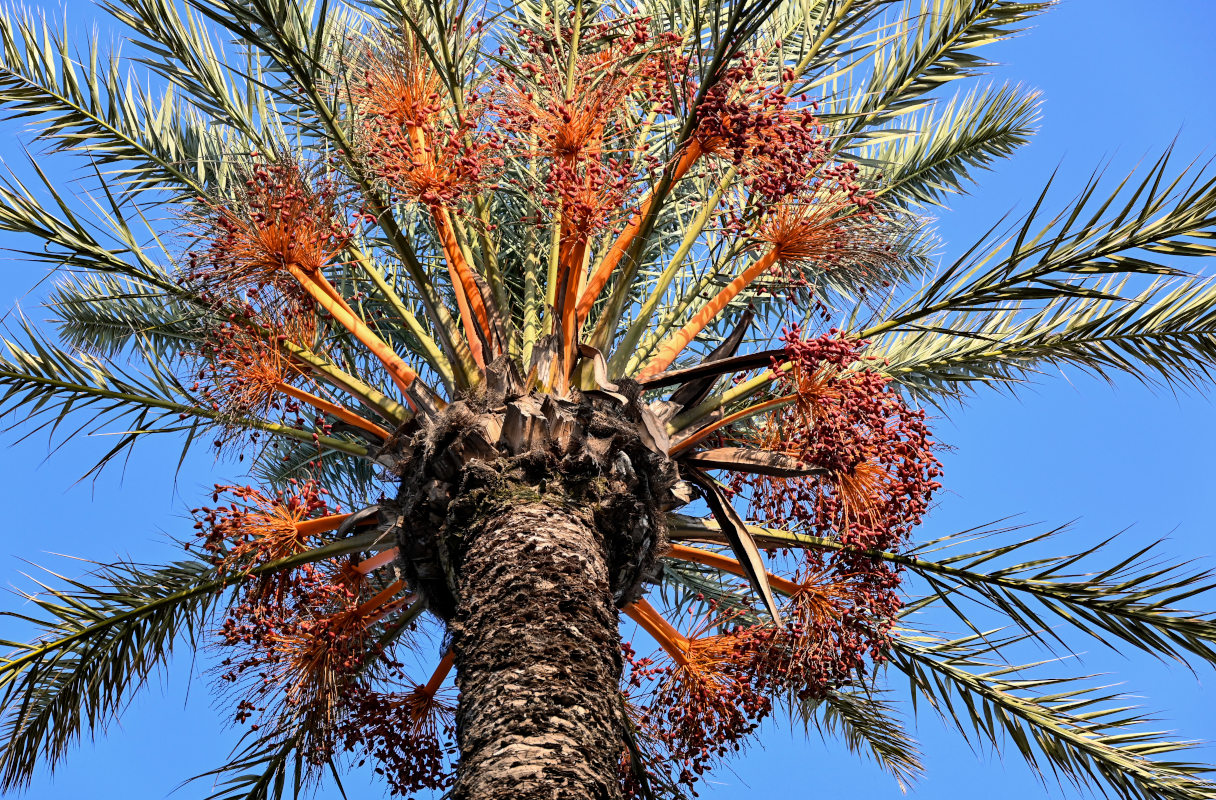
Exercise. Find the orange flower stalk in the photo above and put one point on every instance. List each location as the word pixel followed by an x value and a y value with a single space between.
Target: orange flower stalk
pixel 815 594
pixel 246 373
pixel 671 348
pixel 565 114
pixel 383 558
pixel 405 141
pixel 281 228
pixel 308 528
pixel 328 298
pixel 707 701
pixel 277 218
pixel 737 125
pixel 469 301
pixel 700 435
pixel 249 375
pixel 651 621
pixel 727 564
pixel 441 672
pixel 620 246
pixel 378 603
pixel 798 235
pixel 262 529
pixel 334 410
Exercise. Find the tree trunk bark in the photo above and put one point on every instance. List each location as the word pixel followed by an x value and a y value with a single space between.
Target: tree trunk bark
pixel 538 658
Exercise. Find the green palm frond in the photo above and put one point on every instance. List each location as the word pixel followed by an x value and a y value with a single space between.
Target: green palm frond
pixel 85 104
pixel 52 385
pixel 1157 218
pixel 1133 600
pixel 97 642
pixel 1061 727
pixel 109 315
pixel 297 39
pixel 1079 255
pixel 871 728
pixel 351 482
pixel 1082 733
pixel 69 239
pixel 929 45
pixel 271 766
pixel 828 39
pixel 96 645
pixel 1165 334
pixel 932 155
pixel 183 50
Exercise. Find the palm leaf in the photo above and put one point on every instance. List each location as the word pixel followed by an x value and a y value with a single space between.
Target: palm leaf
pixel 182 50
pixel 98 642
pixel 1085 734
pixel 50 384
pixel 922 51
pixel 1164 334
pixel 933 158
pixel 871 728
pixel 351 482
pixel 109 315
pixel 81 105
pixel 68 240
pixel 1132 600
pixel 1067 258
pixel 271 766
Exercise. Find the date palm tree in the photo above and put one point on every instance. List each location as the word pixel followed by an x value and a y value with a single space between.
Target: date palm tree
pixel 532 317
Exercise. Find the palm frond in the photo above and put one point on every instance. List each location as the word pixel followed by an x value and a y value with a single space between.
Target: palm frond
pixel 920 52
pixel 1164 334
pixel 1062 727
pixel 350 482
pixel 932 156
pixel 871 728
pixel 51 384
pixel 68 239
pixel 271 766
pixel 181 48
pixel 86 104
pixel 1157 218
pixel 97 642
pixel 1132 600
pixel 109 314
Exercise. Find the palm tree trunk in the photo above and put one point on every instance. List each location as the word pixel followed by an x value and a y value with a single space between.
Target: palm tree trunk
pixel 538 658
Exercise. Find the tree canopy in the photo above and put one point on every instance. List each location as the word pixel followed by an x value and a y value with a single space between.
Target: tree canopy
pixel 369 246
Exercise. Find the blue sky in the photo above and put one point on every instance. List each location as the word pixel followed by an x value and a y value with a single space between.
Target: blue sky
pixel 1121 79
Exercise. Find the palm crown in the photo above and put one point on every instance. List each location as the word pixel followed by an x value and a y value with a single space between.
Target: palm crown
pixel 436 267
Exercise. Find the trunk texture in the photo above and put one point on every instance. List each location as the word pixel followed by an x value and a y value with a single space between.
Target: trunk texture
pixel 526 521
pixel 538 658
